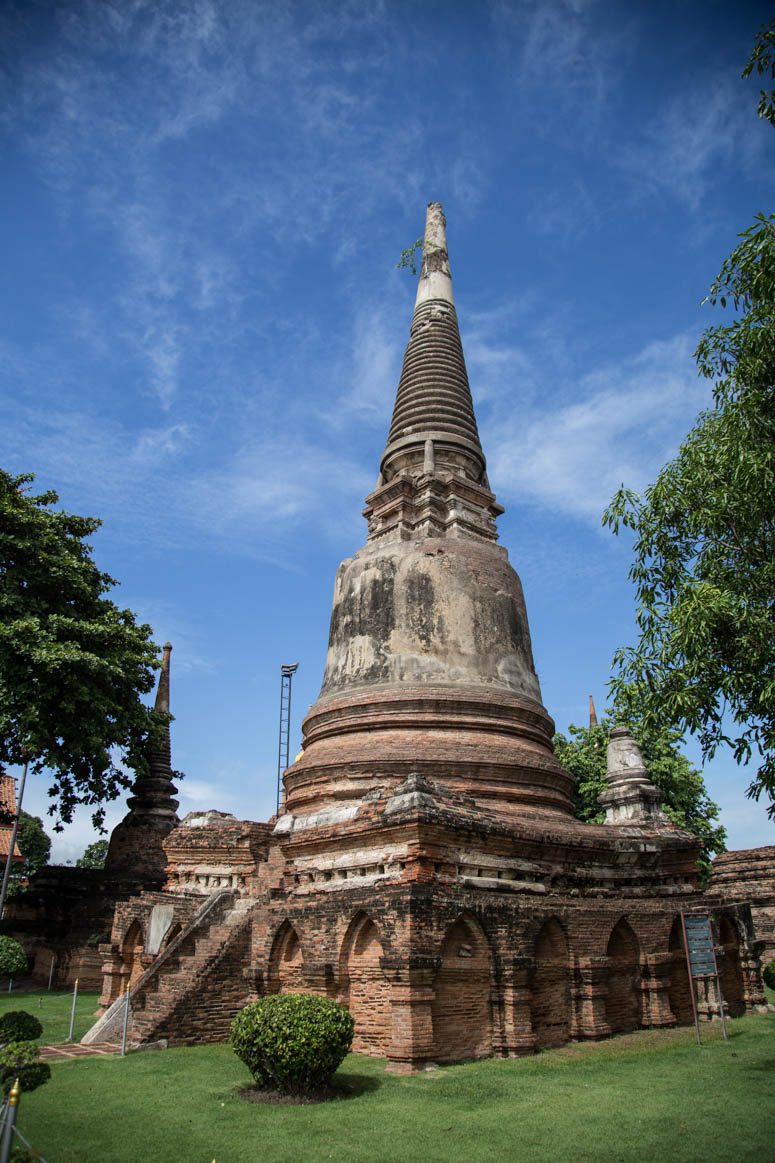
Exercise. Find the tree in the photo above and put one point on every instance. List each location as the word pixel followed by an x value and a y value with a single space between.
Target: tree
pixel 73 665
pixel 704 532
pixel 34 845
pixel 94 855
pixel 13 959
pixel 686 800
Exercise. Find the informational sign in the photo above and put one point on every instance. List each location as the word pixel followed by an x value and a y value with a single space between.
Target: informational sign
pixel 699 944
pixel 701 960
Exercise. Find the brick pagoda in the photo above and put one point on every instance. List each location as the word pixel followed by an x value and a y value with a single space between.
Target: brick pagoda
pixel 427 868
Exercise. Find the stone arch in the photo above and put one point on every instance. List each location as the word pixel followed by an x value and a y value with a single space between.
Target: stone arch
pixel 730 970
pixel 461 1009
pixel 550 986
pixel 680 990
pixel 363 987
pixel 623 1000
pixel 286 961
pixel 131 954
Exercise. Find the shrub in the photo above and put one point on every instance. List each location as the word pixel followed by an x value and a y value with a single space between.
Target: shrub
pixel 21 1060
pixel 292 1041
pixel 13 960
pixel 19 1026
pixel 768 973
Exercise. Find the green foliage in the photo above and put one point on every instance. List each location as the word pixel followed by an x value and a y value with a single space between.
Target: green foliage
pixel 704 532
pixel 22 1060
pixel 763 62
pixel 94 855
pixel 72 664
pixel 13 959
pixel 19 1026
pixel 34 844
pixel 686 800
pixel 768 973
pixel 408 257
pixel 292 1041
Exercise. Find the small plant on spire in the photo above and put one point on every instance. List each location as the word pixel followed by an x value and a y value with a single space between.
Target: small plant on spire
pixel 408 259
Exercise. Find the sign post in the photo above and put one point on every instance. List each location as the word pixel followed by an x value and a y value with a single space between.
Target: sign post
pixel 701 960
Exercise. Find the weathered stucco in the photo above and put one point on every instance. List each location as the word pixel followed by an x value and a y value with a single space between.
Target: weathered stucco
pixel 437 611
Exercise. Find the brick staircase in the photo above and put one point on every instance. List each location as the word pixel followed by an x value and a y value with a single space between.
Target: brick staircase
pixel 195 986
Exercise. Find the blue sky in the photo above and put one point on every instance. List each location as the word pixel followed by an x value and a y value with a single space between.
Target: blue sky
pixel 201 321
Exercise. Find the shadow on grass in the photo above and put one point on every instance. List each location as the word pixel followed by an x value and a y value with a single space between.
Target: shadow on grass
pixel 343 1086
pixel 354 1085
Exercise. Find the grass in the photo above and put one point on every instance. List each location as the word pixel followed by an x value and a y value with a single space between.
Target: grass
pixel 651 1094
pixel 53 1012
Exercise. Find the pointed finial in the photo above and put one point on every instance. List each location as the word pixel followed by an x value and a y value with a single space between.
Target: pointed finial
pixel 163 693
pixel 435 281
pixel 592 714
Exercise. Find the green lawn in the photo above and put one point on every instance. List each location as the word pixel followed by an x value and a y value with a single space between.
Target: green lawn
pixel 53 1012
pixel 633 1098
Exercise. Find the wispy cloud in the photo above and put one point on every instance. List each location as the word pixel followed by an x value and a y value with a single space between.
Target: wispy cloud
pixel 687 139
pixel 625 421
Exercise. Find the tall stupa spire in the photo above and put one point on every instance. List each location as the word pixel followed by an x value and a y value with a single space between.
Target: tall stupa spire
pixel 433 479
pixel 136 843
pixel 430 669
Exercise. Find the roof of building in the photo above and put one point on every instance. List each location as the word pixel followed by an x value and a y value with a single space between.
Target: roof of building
pixel 8 805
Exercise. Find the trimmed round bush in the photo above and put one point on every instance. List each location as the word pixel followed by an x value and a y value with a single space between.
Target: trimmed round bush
pixel 30 1077
pixel 292 1041
pixel 22 1060
pixel 19 1026
pixel 768 973
pixel 13 959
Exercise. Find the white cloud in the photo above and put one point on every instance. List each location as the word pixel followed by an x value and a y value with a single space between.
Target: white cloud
pixel 624 422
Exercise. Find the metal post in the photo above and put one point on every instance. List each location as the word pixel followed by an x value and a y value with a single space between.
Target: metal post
pixel 72 1013
pixel 691 981
pixel 12 845
pixel 10 1122
pixel 287 671
pixel 51 973
pixel 126 1023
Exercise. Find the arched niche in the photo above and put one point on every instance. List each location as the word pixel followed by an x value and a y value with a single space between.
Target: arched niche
pixel 461 1009
pixel 679 994
pixel 131 952
pixel 730 970
pixel 623 999
pixel 286 962
pixel 364 988
pixel 550 986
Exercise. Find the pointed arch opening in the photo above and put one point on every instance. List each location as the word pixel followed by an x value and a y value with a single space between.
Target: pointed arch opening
pixel 550 986
pixel 623 1000
pixel 730 970
pixel 461 1009
pixel 679 994
pixel 131 954
pixel 364 988
pixel 286 962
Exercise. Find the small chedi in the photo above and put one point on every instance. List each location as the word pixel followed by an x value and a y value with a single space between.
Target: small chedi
pixel 66 912
pixel 426 867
